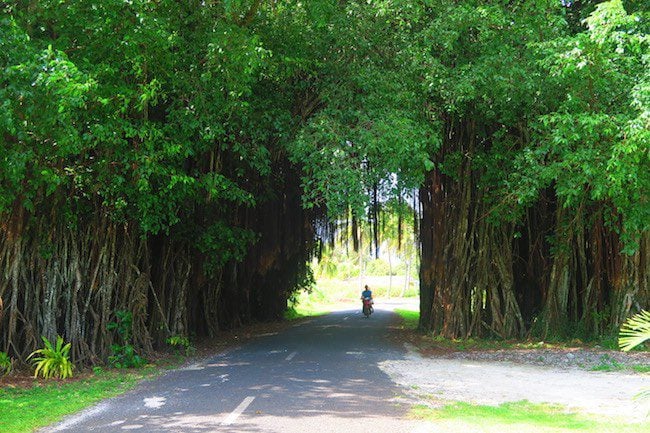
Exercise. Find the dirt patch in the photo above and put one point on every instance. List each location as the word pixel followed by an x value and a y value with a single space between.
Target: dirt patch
pixel 584 357
pixel 25 380
pixel 579 358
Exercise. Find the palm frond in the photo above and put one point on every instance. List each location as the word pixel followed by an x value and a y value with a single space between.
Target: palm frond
pixel 643 395
pixel 635 331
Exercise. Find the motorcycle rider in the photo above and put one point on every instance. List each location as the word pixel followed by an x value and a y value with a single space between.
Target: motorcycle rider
pixel 367 294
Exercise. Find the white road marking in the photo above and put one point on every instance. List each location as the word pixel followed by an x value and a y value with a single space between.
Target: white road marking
pixel 193 367
pixel 320 381
pixel 238 411
pixel 228 364
pixel 102 407
pixel 268 334
pixel 154 402
pixel 291 355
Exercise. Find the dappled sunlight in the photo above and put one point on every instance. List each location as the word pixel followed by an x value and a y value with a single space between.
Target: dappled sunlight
pixel 326 372
pixel 185 421
pixel 314 402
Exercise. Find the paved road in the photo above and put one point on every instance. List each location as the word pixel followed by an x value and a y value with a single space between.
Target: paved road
pixel 318 376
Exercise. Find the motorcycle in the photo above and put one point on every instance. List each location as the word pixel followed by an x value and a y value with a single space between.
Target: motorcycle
pixel 367 307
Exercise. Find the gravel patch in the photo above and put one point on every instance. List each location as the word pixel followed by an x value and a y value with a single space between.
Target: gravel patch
pixel 587 359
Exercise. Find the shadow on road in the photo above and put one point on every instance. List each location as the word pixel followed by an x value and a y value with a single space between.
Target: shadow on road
pixel 318 375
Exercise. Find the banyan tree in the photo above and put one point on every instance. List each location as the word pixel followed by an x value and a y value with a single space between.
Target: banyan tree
pixel 183 160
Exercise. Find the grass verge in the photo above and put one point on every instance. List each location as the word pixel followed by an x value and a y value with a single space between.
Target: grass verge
pixel 410 318
pixel 26 409
pixel 301 311
pixel 332 289
pixel 520 417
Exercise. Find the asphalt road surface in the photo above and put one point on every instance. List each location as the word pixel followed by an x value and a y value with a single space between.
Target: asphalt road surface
pixel 318 376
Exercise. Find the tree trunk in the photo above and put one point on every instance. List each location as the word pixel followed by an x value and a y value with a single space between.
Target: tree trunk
pixel 390 273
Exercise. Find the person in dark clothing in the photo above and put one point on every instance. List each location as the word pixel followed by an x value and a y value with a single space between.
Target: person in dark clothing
pixel 367 294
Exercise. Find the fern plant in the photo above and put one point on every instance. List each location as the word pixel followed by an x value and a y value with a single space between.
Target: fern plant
pixel 635 331
pixel 52 360
pixel 6 364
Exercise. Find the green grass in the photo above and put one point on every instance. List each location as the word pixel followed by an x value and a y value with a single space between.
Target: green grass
pixel 24 410
pixel 304 310
pixel 325 297
pixel 333 294
pixel 335 289
pixel 607 364
pixel 520 417
pixel 641 368
pixel 410 318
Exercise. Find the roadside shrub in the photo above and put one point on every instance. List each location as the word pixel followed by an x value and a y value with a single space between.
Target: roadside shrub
pixel 178 343
pixel 6 364
pixel 124 355
pixel 52 360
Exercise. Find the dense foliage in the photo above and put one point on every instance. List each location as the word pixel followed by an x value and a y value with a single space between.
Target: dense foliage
pixel 177 160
